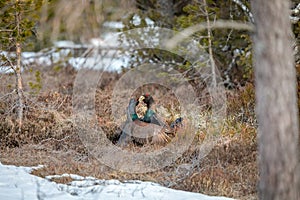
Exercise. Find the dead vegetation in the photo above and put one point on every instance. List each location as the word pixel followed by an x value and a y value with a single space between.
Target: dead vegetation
pixel 48 138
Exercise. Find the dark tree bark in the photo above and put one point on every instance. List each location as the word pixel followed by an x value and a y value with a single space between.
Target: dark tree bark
pixel 276 101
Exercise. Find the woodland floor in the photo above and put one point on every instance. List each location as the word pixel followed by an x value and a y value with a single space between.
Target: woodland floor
pixel 48 138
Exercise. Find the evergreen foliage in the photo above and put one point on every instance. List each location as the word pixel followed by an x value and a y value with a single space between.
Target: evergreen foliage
pixel 26 33
pixel 231 48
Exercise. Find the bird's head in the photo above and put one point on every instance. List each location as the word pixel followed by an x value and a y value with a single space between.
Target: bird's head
pixel 141 98
pixel 148 99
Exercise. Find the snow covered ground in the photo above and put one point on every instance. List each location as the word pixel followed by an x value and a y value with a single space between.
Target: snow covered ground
pixel 102 54
pixel 16 183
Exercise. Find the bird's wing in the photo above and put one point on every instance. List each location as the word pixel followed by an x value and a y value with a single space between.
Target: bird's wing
pixel 155 120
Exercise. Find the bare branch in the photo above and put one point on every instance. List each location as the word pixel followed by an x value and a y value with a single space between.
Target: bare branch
pixel 10 63
pixel 6 30
pixel 245 9
pixel 295 15
pixel 218 24
pixel 211 58
pixel 296 11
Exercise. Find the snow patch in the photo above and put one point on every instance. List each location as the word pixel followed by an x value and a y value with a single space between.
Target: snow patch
pixel 17 183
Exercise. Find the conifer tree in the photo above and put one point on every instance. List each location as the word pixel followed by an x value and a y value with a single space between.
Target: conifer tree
pixel 18 22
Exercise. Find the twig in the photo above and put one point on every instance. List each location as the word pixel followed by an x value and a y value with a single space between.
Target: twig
pixel 245 9
pixel 211 58
pixel 8 94
pixel 218 24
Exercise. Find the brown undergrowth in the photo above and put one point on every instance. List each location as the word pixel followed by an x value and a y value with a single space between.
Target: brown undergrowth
pixel 49 138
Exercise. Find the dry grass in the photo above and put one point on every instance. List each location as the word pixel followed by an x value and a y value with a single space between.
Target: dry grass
pixel 48 138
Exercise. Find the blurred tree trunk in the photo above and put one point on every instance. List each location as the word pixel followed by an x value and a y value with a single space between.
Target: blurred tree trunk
pixel 166 11
pixel 276 101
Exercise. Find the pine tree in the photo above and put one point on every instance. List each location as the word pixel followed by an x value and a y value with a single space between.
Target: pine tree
pixel 18 21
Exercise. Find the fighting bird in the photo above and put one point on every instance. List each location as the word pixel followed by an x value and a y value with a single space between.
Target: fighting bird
pixel 147 127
